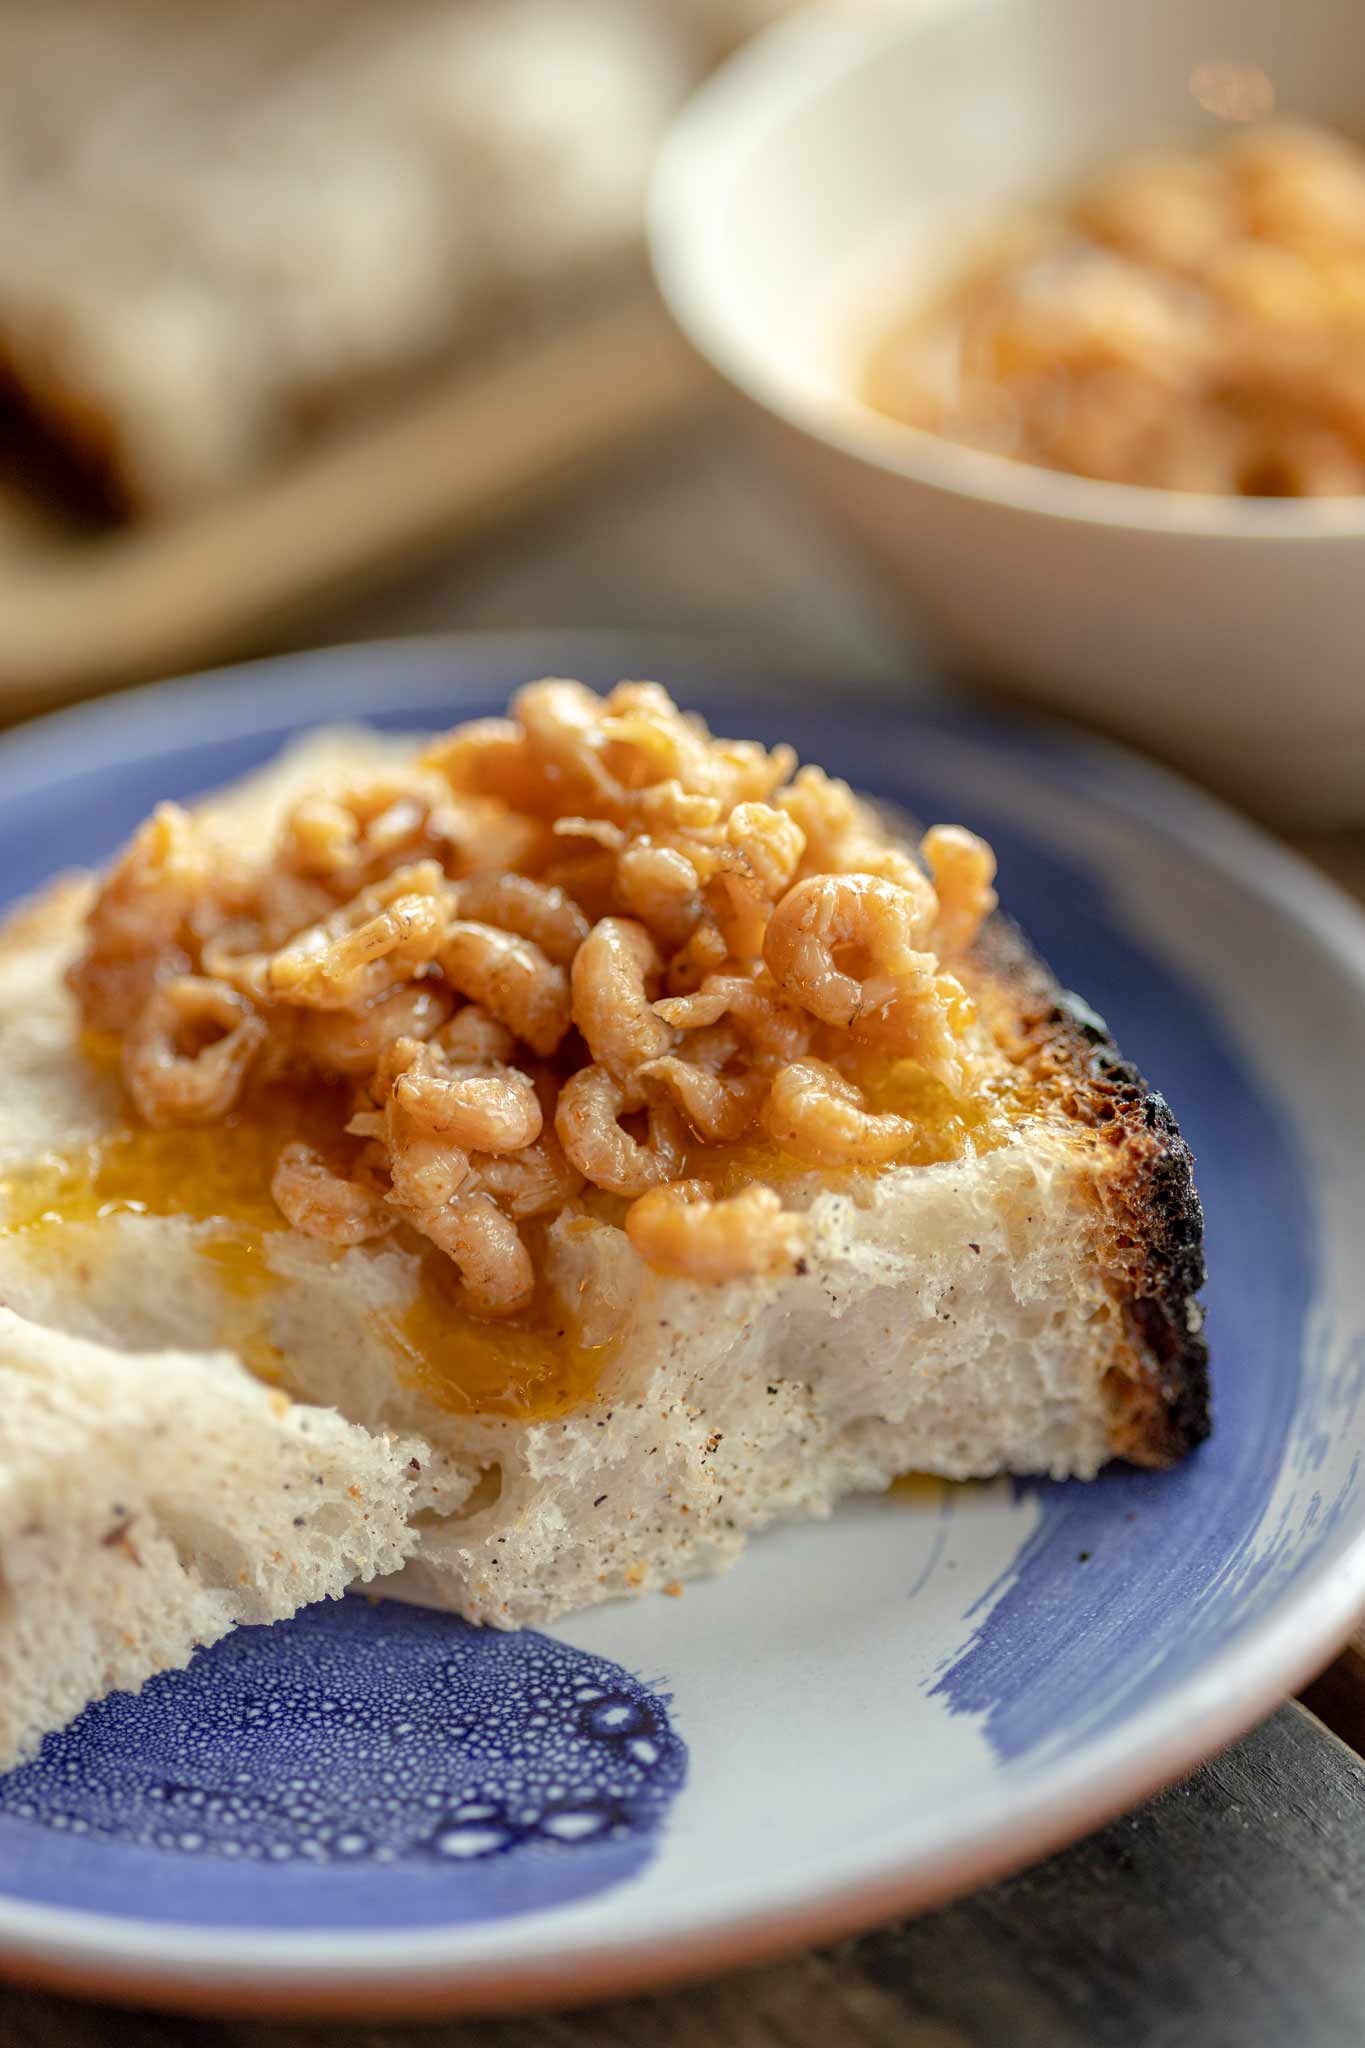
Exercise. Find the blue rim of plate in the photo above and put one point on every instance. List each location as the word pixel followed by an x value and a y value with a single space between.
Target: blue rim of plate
pixel 411 682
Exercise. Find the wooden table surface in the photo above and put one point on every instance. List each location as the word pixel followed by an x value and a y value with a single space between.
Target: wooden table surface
pixel 1230 1911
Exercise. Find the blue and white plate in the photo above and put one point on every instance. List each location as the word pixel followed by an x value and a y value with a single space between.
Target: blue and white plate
pixel 379 1809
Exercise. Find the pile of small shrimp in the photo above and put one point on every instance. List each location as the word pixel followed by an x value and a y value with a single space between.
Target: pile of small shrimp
pixel 554 953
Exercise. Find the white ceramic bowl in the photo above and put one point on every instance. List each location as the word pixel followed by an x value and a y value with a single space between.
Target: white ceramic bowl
pixel 1227 634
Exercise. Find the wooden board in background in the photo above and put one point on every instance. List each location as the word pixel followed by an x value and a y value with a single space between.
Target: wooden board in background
pixel 451 463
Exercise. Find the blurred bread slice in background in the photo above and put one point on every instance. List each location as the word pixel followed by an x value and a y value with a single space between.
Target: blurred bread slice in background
pixel 220 224
pixel 727 23
pixel 296 293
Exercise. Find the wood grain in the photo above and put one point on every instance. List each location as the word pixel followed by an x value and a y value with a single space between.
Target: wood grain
pixel 1337 1696
pixel 1228 1912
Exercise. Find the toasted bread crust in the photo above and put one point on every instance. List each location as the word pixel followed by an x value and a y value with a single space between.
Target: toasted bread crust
pixel 1152 1236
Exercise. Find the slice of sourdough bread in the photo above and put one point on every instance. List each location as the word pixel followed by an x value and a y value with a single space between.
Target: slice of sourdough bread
pixel 149 1502
pixel 1030 1307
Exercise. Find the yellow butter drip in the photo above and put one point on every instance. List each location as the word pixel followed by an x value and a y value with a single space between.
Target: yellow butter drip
pixel 218 1175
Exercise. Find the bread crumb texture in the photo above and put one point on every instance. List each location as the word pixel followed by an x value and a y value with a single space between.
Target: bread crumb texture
pixel 671 1147
pixel 151 1501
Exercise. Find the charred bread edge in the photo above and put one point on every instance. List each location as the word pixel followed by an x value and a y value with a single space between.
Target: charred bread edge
pixel 1153 1240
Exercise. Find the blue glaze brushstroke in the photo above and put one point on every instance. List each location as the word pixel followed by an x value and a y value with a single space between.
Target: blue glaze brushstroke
pixel 1174 1564
pixel 290 1769
pixel 1127 1584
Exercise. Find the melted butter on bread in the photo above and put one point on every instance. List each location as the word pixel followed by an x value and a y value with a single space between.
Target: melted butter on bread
pixel 530 1366
pixel 218 1176
pixel 1016 1294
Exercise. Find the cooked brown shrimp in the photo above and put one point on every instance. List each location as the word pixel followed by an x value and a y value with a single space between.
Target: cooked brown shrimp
pixel 239 956
pixel 283 904
pixel 477 1109
pixel 828 814
pixel 750 772
pixel 684 817
pixel 759 861
pixel 705 953
pixel 325 1204
pixel 679 1228
pixel 432 933
pixel 768 1019
pixel 150 889
pixel 474 1038
pixel 488 757
pixel 426 1168
pixel 659 885
pixel 882 922
pixel 768 845
pixel 510 977
pixel 562 724
pixel 718 1106
pixel 963 868
pixel 353 1041
pixel 536 1181
pixel 495 1266
pixel 592 832
pixel 819 1116
pixel 368 824
pixel 498 840
pixel 649 740
pixel 188 1053
pixel 433 1192
pixel 139 915
pixel 587 873
pixel 382 936
pixel 611 1005
pixel 533 910
pixel 844 835
pixel 588 1126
